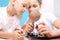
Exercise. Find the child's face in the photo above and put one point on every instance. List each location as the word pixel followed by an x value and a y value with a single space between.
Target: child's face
pixel 34 5
pixel 20 6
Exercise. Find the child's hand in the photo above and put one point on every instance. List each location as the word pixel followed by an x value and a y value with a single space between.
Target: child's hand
pixel 28 27
pixel 20 34
pixel 43 29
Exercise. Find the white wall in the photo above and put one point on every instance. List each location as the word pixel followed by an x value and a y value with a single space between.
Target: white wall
pixel 51 6
pixel 47 6
pixel 57 8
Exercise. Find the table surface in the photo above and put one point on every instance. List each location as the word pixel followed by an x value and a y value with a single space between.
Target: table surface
pixel 44 38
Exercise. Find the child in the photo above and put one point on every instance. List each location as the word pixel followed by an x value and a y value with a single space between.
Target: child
pixel 50 24
pixel 10 17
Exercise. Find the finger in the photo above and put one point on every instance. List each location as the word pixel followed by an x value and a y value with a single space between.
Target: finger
pixel 24 27
pixel 29 27
pixel 31 24
pixel 42 30
pixel 16 29
pixel 20 38
pixel 40 27
pixel 42 23
pixel 21 35
pixel 21 31
pixel 36 26
pixel 29 30
pixel 46 33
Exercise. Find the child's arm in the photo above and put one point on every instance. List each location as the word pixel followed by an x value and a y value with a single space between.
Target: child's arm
pixel 6 35
pixel 44 29
pixel 15 35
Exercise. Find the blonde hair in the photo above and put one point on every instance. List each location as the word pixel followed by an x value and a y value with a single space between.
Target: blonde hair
pixel 40 2
pixel 10 8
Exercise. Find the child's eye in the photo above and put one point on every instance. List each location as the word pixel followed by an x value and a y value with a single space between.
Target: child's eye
pixel 34 6
pixel 12 4
pixel 29 7
pixel 24 5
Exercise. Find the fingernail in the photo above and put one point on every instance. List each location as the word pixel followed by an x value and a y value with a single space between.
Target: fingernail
pixel 36 26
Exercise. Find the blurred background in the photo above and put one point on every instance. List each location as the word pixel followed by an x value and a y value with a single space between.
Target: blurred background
pixel 57 8
pixel 51 6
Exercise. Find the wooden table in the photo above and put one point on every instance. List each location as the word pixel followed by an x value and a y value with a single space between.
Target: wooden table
pixel 44 38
